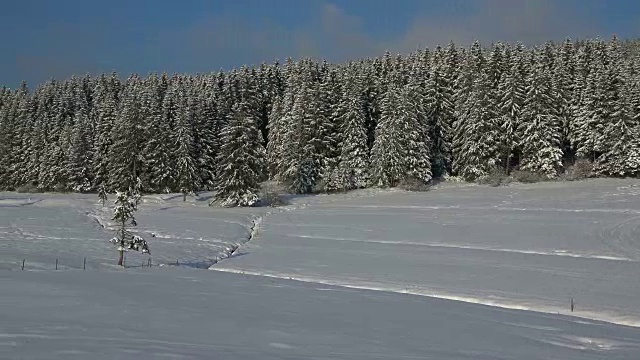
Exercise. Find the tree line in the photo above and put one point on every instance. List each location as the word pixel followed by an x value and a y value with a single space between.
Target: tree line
pixel 449 111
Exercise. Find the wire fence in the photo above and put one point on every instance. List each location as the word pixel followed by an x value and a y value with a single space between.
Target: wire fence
pixel 86 263
pixel 72 262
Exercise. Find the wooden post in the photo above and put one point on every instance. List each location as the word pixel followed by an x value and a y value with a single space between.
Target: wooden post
pixel 149 262
pixel 572 305
pixel 84 263
pixel 23 263
pixel 56 264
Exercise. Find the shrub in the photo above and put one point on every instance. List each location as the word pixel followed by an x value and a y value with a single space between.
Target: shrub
pixel 528 176
pixel 580 170
pixel 495 177
pixel 272 195
pixel 28 188
pixel 61 188
pixel 451 178
pixel 413 184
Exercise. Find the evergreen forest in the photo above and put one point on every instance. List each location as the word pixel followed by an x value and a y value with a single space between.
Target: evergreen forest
pixel 312 125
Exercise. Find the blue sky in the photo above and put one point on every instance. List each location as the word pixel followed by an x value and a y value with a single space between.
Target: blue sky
pixel 57 38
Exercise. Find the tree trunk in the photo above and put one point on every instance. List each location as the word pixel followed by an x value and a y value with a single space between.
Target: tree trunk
pixel 121 258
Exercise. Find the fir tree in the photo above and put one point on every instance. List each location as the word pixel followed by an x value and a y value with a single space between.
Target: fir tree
pixel 541 139
pixel 127 141
pixel 126 204
pixel 186 172
pixel 621 155
pixel 400 151
pixel 241 161
pixel 351 171
pixel 439 108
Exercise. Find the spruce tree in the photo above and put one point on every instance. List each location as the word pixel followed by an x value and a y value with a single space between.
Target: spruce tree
pixel 127 138
pixel 401 148
pixel 241 161
pixel 105 111
pixel 439 107
pixel 186 172
pixel 351 171
pixel 126 204
pixel 621 154
pixel 512 94
pixel 541 133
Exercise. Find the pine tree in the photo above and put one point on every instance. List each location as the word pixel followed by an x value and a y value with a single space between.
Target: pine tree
pixel 541 134
pixel 351 171
pixel 563 84
pixel 303 163
pixel 186 172
pixel 105 111
pixel 475 141
pixel 206 137
pixel 157 113
pixel 439 107
pixel 621 154
pixel 512 94
pixel 126 204
pixel 401 148
pixel 241 161
pixel 591 113
pixel 79 159
pixel 10 140
pixel 127 140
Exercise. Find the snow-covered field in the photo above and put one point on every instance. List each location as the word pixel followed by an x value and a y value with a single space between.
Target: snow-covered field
pixel 524 246
pixel 41 228
pixel 368 274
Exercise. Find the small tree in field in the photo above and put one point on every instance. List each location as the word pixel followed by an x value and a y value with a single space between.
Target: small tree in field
pixel 126 205
pixel 102 194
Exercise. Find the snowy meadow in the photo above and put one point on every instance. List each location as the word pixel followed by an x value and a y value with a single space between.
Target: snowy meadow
pixel 459 272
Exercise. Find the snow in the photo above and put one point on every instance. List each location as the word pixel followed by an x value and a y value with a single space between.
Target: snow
pixel 459 272
pixel 194 314
pixel 525 246
pixel 72 227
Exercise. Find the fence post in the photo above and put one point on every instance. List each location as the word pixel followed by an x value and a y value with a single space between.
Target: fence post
pixel 56 264
pixel 149 262
pixel 84 263
pixel 23 263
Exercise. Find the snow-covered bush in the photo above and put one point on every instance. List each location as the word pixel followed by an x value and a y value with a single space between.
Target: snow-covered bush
pixel 528 176
pixel 495 177
pixel 413 184
pixel 580 170
pixel 270 195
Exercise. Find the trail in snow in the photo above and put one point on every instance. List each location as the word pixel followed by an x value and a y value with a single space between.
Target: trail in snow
pixel 493 207
pixel 257 221
pixel 610 317
pixel 471 247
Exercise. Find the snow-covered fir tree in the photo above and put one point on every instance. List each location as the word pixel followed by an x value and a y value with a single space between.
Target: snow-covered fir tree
pixel 241 161
pixel 541 127
pixel 512 93
pixel 401 148
pixel 127 138
pixel 621 154
pixel 351 170
pixel 126 204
